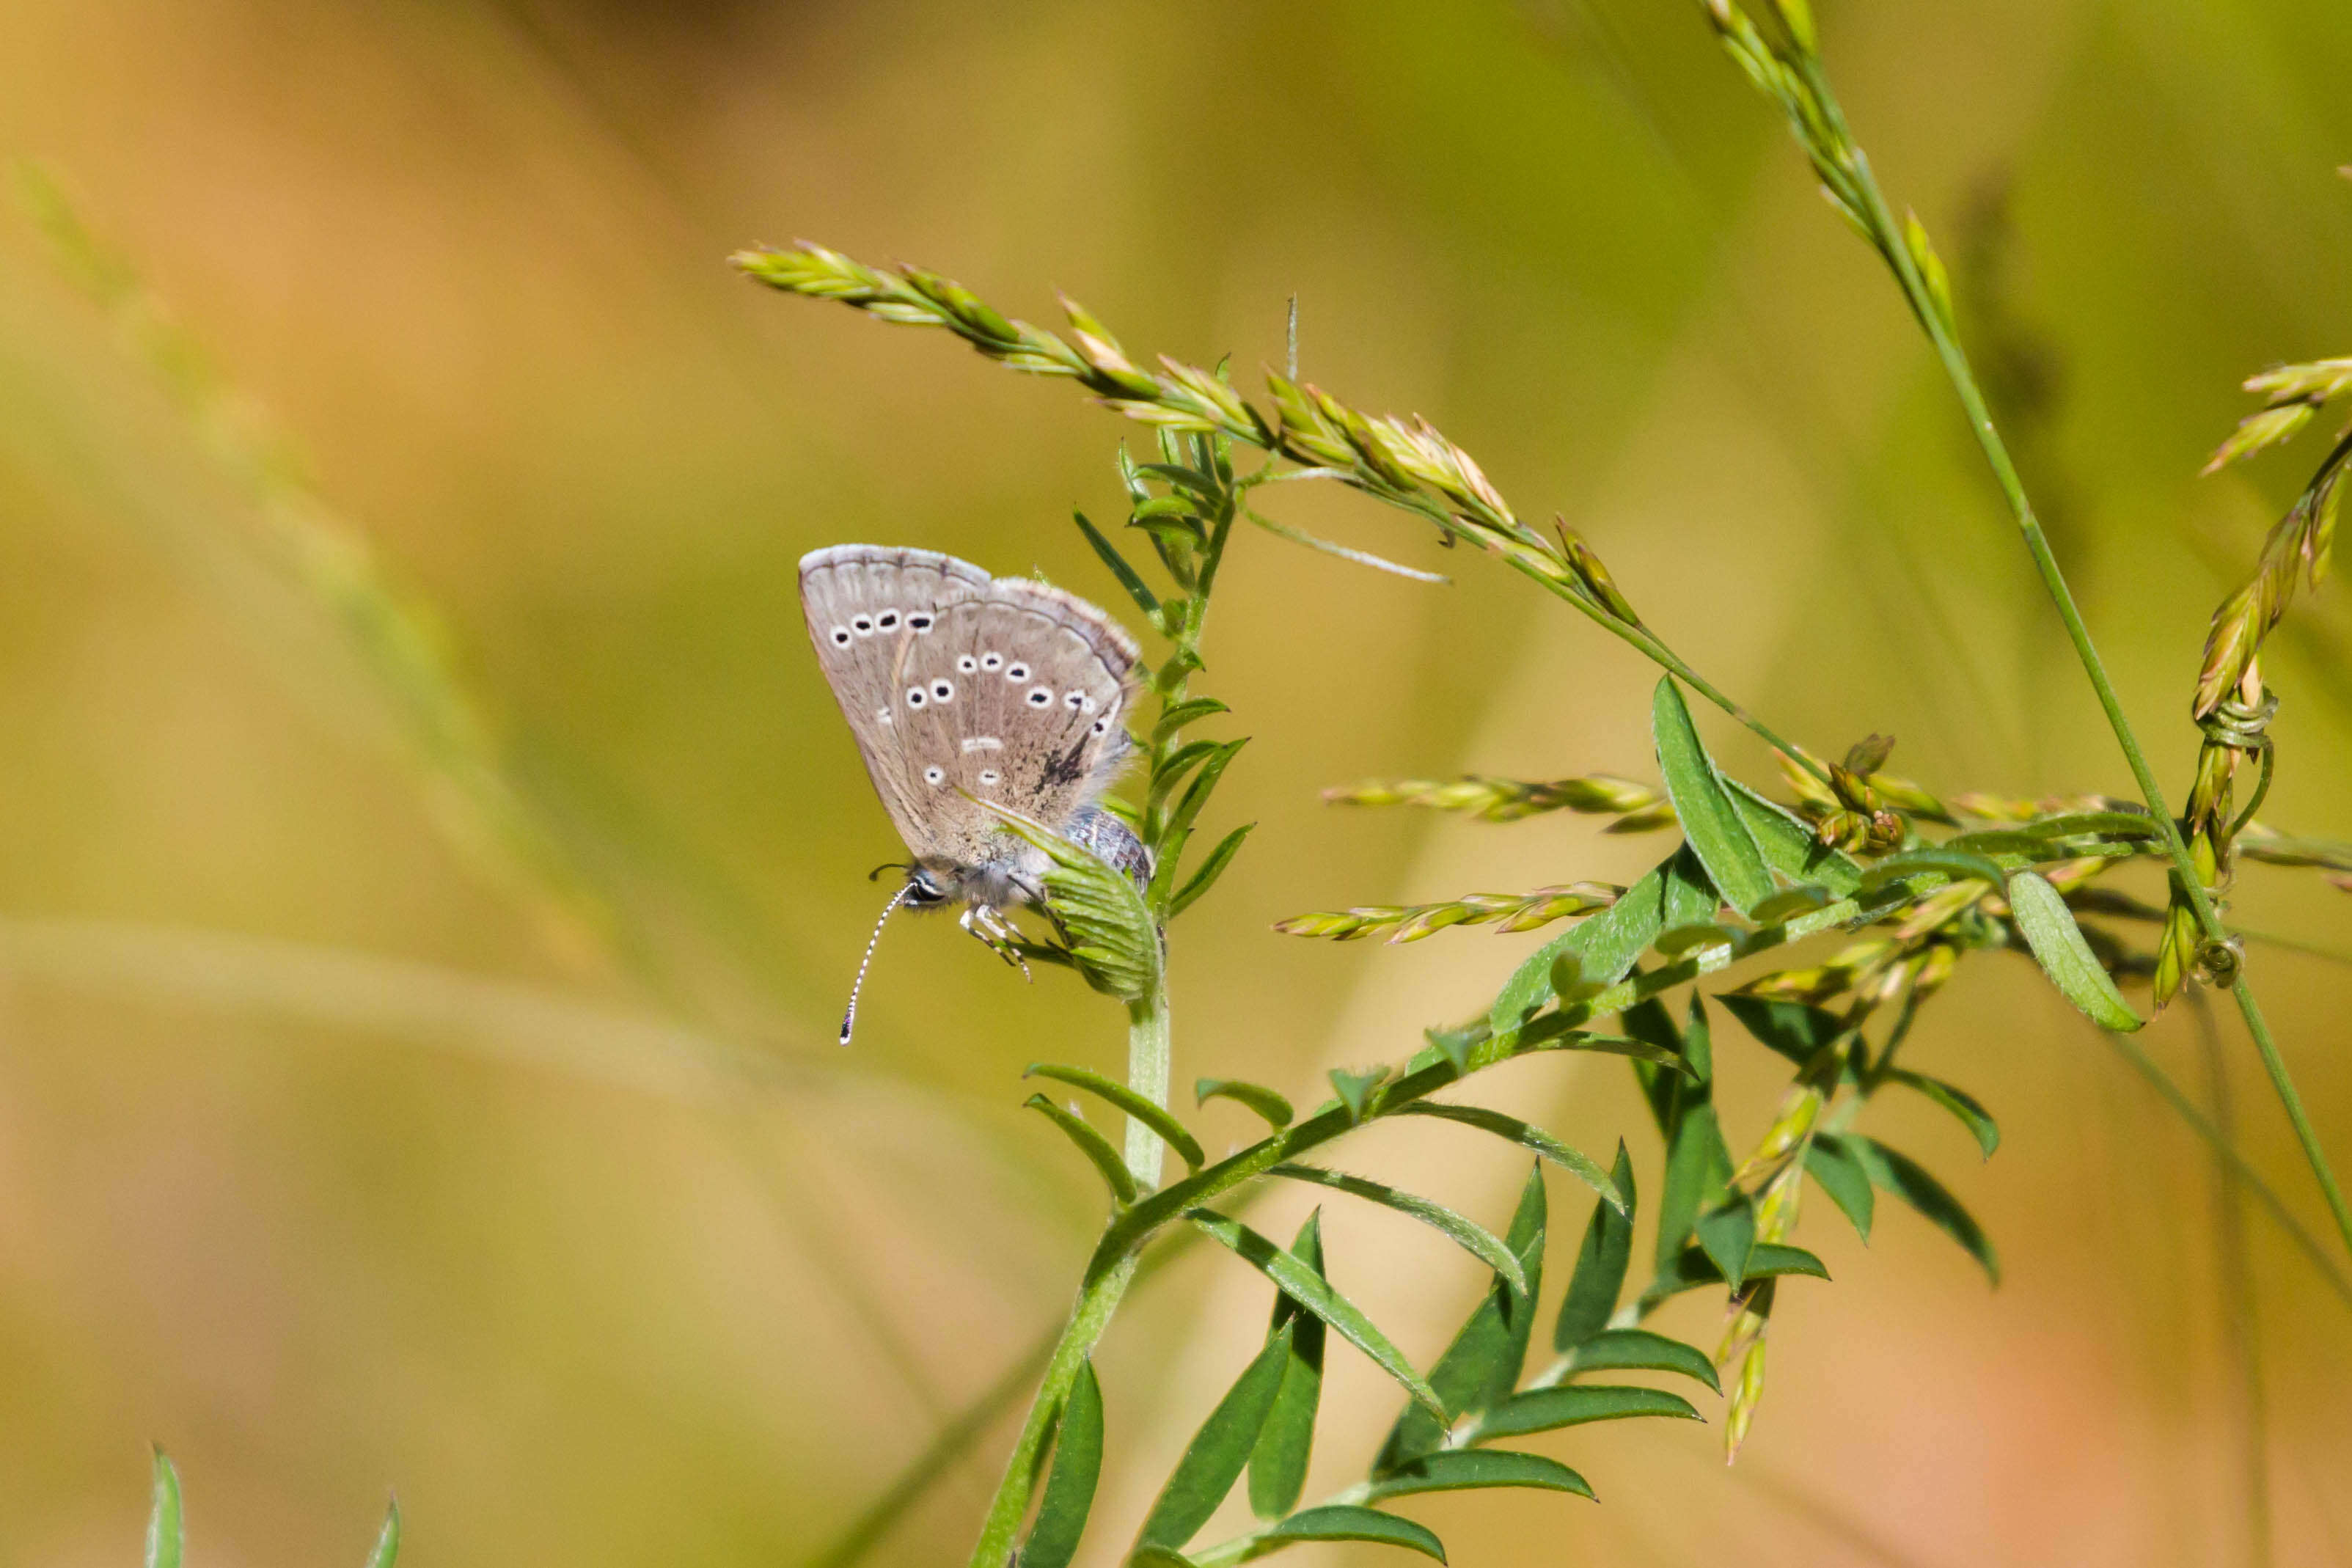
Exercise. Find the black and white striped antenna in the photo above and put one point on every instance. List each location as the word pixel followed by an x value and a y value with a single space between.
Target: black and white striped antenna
pixel 849 1019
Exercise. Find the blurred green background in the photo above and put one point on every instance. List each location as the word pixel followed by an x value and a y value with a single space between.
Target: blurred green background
pixel 364 1125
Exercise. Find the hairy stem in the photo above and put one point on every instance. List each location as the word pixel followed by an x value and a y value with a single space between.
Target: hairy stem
pixel 1147 1074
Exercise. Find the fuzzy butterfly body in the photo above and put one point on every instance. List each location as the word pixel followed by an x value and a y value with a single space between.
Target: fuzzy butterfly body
pixel 960 688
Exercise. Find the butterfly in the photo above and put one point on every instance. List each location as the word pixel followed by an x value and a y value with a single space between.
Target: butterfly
pixel 960 688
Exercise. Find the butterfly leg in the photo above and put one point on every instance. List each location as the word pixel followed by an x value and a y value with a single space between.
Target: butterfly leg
pixel 996 933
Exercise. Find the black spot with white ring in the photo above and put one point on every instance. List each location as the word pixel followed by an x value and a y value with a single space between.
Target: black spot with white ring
pixel 1040 697
pixel 915 698
pixel 942 691
pixel 992 661
pixel 1070 699
pixel 967 664
pixel 988 778
pixel 862 625
pixel 886 620
pixel 921 620
pixel 1017 673
pixel 841 636
pixel 934 775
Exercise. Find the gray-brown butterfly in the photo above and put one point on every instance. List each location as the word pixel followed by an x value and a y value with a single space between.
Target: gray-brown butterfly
pixel 961 688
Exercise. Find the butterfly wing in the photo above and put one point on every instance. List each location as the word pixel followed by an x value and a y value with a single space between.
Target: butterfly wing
pixel 959 688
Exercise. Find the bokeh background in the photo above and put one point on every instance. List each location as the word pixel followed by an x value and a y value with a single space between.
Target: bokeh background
pixel 404 1094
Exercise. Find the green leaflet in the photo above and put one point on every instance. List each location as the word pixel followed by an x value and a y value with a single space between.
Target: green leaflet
pixel 1639 1350
pixel 1954 864
pixel 1155 1116
pixel 1343 1521
pixel 1091 1143
pixel 1196 795
pixel 1190 712
pixel 1527 1136
pixel 1467 1234
pixel 1311 1291
pixel 387 1541
pixel 1791 1028
pixel 1463 1470
pixel 1278 1465
pixel 1574 1404
pixel 1554 1032
pixel 1257 1097
pixel 1728 1234
pixel 1070 1484
pixel 1829 1161
pixel 1691 1269
pixel 1712 825
pixel 1129 578
pixel 1218 1450
pixel 165 1526
pixel 1483 1363
pixel 2058 945
pixel 1898 1174
pixel 1605 944
pixel 1698 1163
pixel 1600 1277
pixel 1202 880
pixel 1973 1116
pixel 1790 847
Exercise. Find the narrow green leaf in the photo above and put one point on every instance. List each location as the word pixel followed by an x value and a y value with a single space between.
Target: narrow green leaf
pixel 1484 1362
pixel 1219 1450
pixel 2057 943
pixel 1639 1350
pixel 1204 783
pixel 1691 1269
pixel 1190 712
pixel 1829 1161
pixel 1355 1088
pixel 1155 1116
pixel 2124 824
pixel 1277 1464
pixel 1554 1032
pixel 1688 894
pixel 1129 578
pixel 1790 847
pixel 1728 1234
pixel 1606 944
pixel 1789 902
pixel 1527 1136
pixel 1699 1168
pixel 1573 1405
pixel 1070 1484
pixel 1202 880
pixel 1309 1290
pixel 1091 1143
pixel 1159 1557
pixel 1174 766
pixel 1791 1028
pixel 1257 1095
pixel 1959 864
pixel 1897 1172
pixel 1973 1115
pixel 387 1541
pixel 1600 1277
pixel 164 1525
pixel 1467 1234
pixel 1344 1522
pixel 1465 1469
pixel 1712 825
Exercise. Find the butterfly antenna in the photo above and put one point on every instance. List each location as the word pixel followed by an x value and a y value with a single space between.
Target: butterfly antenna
pixel 849 1019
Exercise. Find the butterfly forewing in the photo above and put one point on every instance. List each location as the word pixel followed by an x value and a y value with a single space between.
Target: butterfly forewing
pixel 961 688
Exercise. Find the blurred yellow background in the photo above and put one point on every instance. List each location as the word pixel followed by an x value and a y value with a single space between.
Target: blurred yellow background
pixel 352 1136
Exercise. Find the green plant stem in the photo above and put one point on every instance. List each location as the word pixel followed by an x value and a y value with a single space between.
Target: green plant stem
pixel 1098 1298
pixel 1147 1074
pixel 2053 582
pixel 2240 1317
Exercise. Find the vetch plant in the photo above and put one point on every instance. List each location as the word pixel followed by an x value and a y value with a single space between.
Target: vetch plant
pixel 1912 885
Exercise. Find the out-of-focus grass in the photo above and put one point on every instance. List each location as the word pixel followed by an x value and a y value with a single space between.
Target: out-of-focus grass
pixel 470 256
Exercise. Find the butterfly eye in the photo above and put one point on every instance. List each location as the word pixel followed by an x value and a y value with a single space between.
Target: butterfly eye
pixel 841 636
pixel 1017 673
pixel 920 623
pixel 967 664
pixel 934 775
pixel 988 777
pixel 1071 699
pixel 942 691
pixel 992 661
pixel 914 697
pixel 886 620
pixel 863 626
pixel 1040 697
